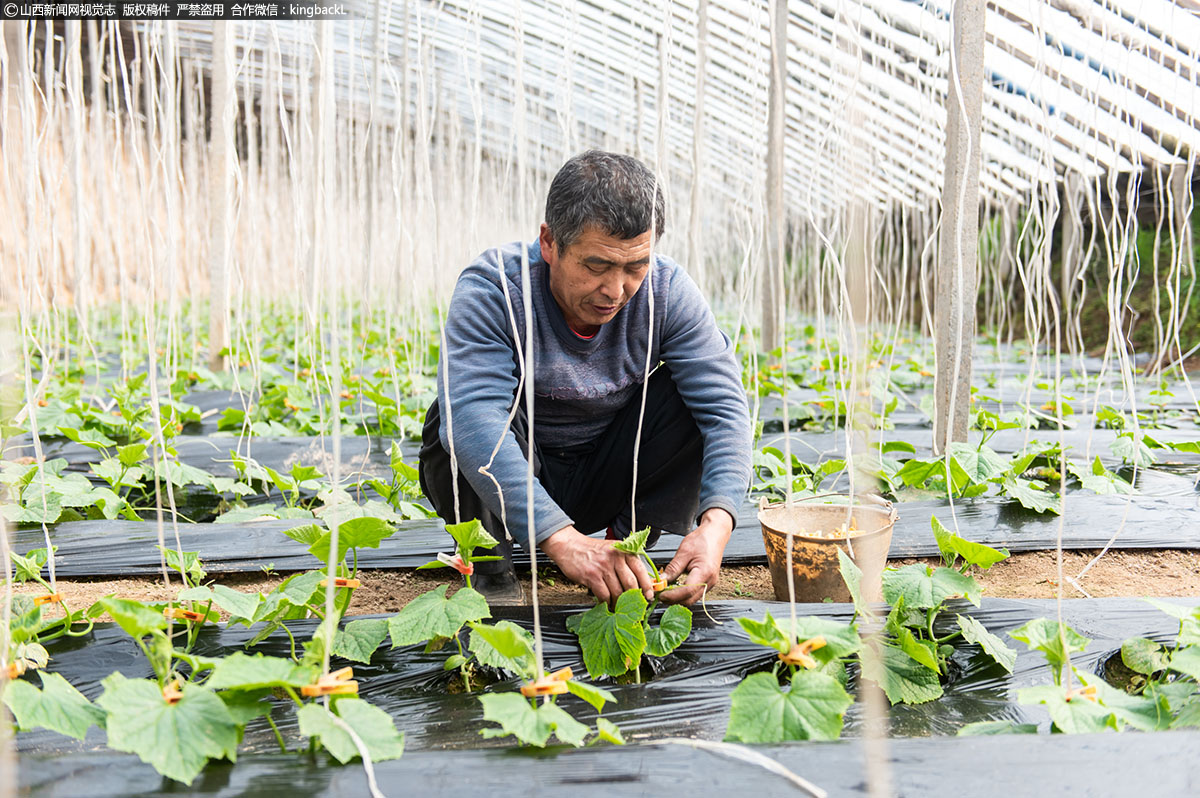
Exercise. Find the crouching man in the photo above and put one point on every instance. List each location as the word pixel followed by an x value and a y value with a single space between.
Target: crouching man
pixel 600 299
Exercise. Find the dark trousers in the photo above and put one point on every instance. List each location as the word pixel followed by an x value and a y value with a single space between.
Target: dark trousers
pixel 592 482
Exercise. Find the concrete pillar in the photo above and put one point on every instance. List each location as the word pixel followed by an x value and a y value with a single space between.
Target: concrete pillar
pixel 957 278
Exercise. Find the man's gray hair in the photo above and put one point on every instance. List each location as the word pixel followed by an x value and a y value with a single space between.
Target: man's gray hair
pixel 616 193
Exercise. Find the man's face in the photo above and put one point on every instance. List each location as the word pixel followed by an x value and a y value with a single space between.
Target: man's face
pixel 595 276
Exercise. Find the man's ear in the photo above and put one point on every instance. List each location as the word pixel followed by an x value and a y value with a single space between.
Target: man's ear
pixel 549 246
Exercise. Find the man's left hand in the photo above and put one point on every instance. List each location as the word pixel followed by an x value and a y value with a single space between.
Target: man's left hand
pixel 699 557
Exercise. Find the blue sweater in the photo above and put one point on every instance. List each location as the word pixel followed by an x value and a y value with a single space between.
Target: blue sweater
pixel 580 384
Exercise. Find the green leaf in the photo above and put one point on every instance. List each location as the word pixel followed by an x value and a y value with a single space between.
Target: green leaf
pixel 132 454
pixel 1188 717
pixel 358 640
pixel 308 534
pixel 1187 662
pixel 1177 611
pixel 607 730
pixel 176 739
pixel 1055 640
pixel 613 642
pixel 635 543
pixel 57 706
pixel 1131 452
pixel 134 617
pixel 923 651
pixel 984 728
pixel 1144 656
pixel 1071 715
pixel 246 705
pixel 923 587
pixel 93 439
pixel 974 632
pixel 673 628
pixel 761 711
pixel 189 566
pixel 300 588
pixel 766 632
pixel 433 615
pixel 1025 492
pixel 852 576
pixel 980 465
pixel 504 645
pixel 531 726
pixel 30 566
pixel 952 546
pixel 1144 712
pixel 1099 479
pixel 241 671
pixel 596 696
pixel 902 679
pixel 374 728
pixel 354 533
pixel 470 535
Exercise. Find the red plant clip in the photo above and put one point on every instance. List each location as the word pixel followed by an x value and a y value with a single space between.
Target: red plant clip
pixel 339 581
pixel 456 562
pixel 171 693
pixel 552 684
pixel 180 614
pixel 49 598
pixel 336 683
pixel 799 653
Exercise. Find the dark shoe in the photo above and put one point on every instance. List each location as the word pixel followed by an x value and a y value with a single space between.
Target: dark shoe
pixel 500 589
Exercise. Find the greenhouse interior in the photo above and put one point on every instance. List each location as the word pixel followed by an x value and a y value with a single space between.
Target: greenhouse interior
pixel 598 397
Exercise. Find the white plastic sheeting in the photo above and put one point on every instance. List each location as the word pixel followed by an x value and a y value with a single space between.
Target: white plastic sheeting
pixel 1073 85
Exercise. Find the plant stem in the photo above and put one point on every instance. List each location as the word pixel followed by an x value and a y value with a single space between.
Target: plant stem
pixel 275 729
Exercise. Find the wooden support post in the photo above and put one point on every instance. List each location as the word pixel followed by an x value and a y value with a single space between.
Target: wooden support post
pixel 222 152
pixel 772 275
pixel 695 248
pixel 957 278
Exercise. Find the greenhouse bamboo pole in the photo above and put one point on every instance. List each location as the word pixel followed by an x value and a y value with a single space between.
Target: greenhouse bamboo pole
pixel 957 282
pixel 83 289
pixel 695 251
pixel 222 152
pixel 772 275
pixel 1071 267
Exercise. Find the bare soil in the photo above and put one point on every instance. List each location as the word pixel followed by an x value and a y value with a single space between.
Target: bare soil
pixel 1164 572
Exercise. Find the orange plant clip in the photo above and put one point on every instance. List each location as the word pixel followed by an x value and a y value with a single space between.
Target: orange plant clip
pixel 1088 693
pixel 799 653
pixel 337 683
pixel 339 581
pixel 16 669
pixel 49 598
pixel 171 693
pixel 184 615
pixel 552 684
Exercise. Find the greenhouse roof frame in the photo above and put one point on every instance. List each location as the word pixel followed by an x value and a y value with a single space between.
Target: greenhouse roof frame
pixel 1086 86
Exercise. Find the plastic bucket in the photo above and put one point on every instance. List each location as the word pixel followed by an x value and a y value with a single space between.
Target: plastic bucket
pixel 815 570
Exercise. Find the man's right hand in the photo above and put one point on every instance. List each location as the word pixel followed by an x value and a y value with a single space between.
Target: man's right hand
pixel 596 565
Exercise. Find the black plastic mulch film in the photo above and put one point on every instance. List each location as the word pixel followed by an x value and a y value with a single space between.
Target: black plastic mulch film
pixel 687 697
pixel 121 548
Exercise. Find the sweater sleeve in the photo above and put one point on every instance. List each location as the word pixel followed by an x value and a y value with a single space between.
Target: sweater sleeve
pixel 479 363
pixel 707 373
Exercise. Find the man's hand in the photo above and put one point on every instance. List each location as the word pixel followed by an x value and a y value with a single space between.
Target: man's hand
pixel 596 565
pixel 699 556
